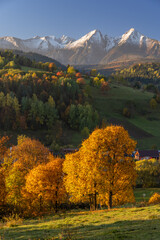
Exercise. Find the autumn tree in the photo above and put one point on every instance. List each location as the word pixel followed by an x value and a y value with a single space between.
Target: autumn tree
pixel 153 103
pixel 102 170
pixel 44 183
pixel 2 186
pixel 148 171
pixel 52 67
pixel 3 147
pixel 93 72
pixel 71 70
pixel 29 153
pixel 81 81
pixel 19 161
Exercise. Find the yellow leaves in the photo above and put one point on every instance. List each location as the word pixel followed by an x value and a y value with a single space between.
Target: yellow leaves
pixel 154 199
pixel 2 186
pixel 71 70
pixel 29 153
pixel 102 164
pixel 3 148
pixel 46 181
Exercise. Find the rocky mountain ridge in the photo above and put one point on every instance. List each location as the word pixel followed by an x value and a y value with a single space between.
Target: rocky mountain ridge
pixel 93 48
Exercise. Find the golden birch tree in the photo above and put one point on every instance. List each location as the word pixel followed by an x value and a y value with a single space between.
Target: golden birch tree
pixel 19 161
pixel 102 171
pixel 44 184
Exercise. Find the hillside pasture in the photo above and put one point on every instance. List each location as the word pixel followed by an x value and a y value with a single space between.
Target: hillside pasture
pixel 143 125
pixel 124 223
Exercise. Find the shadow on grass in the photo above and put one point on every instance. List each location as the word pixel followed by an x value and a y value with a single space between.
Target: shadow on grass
pixel 147 229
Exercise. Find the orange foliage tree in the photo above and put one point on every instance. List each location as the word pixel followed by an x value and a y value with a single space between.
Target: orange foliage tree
pixel 52 66
pixel 2 187
pixel 29 153
pixel 102 170
pixel 20 160
pixel 44 184
pixel 81 81
pixel 78 75
pixel 3 147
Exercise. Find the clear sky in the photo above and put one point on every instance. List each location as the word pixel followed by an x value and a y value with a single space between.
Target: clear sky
pixel 28 18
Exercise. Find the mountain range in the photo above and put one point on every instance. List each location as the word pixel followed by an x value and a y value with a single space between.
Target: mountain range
pixel 92 49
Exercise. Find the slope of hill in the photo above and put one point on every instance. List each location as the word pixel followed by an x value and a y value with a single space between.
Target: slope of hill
pixel 121 223
pixel 39 58
pixel 143 125
pixel 142 75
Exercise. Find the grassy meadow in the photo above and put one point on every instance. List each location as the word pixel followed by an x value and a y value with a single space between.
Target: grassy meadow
pixel 26 69
pixel 134 222
pixel 143 126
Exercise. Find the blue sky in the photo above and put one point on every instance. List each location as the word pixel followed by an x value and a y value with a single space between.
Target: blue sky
pixel 28 18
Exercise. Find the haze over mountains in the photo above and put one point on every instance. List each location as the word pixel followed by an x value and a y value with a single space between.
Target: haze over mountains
pixel 92 49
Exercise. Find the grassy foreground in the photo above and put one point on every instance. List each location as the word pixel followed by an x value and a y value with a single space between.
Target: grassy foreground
pixel 123 223
pixel 120 223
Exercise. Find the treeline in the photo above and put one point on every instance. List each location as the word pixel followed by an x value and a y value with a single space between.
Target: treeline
pixel 143 75
pixel 10 60
pixel 102 172
pixel 36 100
pixel 33 181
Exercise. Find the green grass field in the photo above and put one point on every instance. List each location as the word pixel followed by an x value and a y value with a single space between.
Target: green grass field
pixel 143 125
pixel 119 223
pixel 26 69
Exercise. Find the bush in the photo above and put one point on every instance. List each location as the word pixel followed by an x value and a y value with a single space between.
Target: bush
pixel 126 112
pixel 148 173
pixel 154 199
pixel 13 220
pixel 85 132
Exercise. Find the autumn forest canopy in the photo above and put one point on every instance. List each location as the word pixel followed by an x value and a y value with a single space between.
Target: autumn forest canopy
pixel 100 172
pixel 45 111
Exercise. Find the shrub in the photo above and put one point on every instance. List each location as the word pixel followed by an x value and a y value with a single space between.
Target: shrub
pixel 81 81
pixel 126 112
pixel 13 220
pixel 154 199
pixel 85 132
pixel 153 103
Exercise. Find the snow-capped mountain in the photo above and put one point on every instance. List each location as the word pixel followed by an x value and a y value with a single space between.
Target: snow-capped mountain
pixel 93 48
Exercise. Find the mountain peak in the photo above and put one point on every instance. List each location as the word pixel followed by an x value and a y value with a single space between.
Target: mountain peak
pixel 131 30
pixel 132 37
pixel 93 36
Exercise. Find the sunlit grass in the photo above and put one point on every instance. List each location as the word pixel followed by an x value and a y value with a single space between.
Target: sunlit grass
pixel 119 223
pixel 110 107
pixel 26 69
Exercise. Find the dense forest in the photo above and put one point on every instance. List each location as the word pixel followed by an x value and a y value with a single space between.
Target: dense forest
pixel 142 75
pixel 36 95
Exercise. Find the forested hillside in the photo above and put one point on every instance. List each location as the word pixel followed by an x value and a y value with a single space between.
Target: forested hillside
pixel 142 75
pixel 61 108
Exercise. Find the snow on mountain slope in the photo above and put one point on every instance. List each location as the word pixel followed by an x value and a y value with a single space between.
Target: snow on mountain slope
pixel 110 42
pixel 133 37
pixel 10 42
pixel 42 42
pixel 94 36
pixel 92 48
pixel 64 40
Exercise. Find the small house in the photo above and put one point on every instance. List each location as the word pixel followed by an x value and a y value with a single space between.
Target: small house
pixel 146 154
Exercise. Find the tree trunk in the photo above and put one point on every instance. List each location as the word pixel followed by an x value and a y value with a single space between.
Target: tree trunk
pixel 110 200
pixel 95 200
pixel 56 205
pixel 40 204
